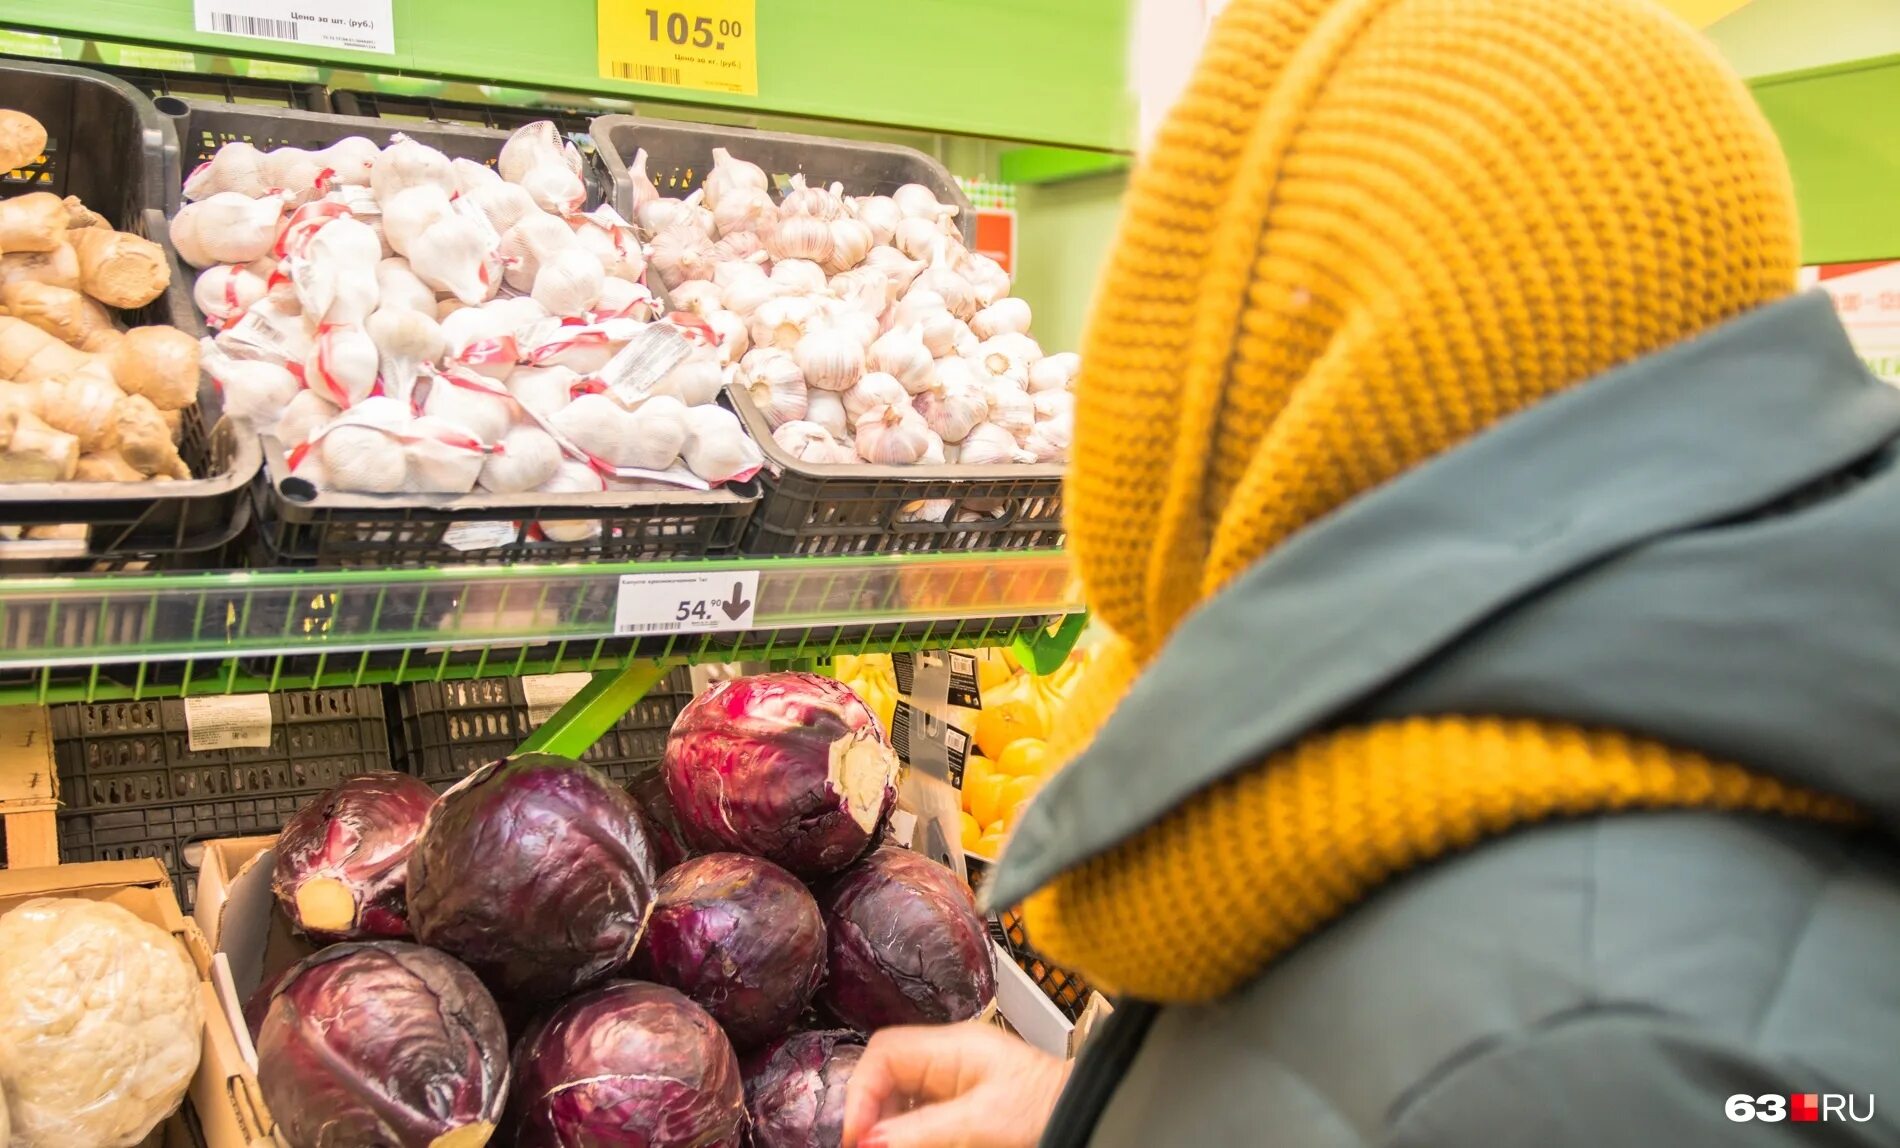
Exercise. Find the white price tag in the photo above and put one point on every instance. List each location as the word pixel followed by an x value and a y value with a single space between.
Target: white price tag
pixel 365 25
pixel 547 693
pixel 466 536
pixel 686 603
pixel 644 361
pixel 240 721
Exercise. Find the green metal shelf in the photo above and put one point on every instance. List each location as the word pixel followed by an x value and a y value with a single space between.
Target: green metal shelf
pixel 105 637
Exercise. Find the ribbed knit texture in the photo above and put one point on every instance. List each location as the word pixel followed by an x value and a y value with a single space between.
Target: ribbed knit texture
pixel 1369 230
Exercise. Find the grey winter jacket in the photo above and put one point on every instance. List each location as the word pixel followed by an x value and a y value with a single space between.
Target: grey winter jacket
pixel 1704 548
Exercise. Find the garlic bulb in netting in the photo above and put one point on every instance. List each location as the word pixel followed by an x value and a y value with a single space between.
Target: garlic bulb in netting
pixel 880 213
pixel 941 330
pixel 776 386
pixel 830 359
pixel 730 175
pixel 236 167
pixel 482 339
pixel 397 286
pixel 362 459
pixel 1054 372
pixel 568 283
pixel 455 258
pixel 442 459
pixel 474 409
pixel 892 436
pixel 648 437
pixel 546 165
pixel 295 171
pixel 1049 441
pixel 1011 355
pixel 953 410
pixel 471 176
pixel 406 341
pixel 225 291
pixel 917 238
pixel 851 241
pixel 731 333
pixel 1052 404
pixel 700 296
pixel 873 390
pixel 918 202
pixel 304 413
pixel 901 353
pixel 694 380
pixel 342 365
pixel 526 457
pixel 256 394
pixel 534 237
pixel 799 277
pixel 1003 317
pixel 959 298
pixel 741 246
pixel 745 209
pixel 820 203
pixel 808 442
pixel 680 253
pixel 1010 407
pixel 226 228
pixel 782 321
pixel 623 299
pixel 412 211
pixel 543 390
pixel 572 478
pixel 717 448
pixel 826 408
pixel 405 163
pixel 988 444
pixel 896 266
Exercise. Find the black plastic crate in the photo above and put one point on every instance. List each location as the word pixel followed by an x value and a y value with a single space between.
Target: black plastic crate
pixel 573 122
pixel 680 154
pixel 132 787
pixel 449 729
pixel 226 89
pixel 123 162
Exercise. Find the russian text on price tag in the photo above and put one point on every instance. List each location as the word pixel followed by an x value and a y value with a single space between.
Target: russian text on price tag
pixel 710 45
pixel 365 25
pixel 686 603
pixel 235 721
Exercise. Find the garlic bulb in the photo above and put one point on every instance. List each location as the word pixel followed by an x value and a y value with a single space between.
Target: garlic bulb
pixel 681 252
pixel 224 292
pixel 901 353
pixel 916 238
pixel 800 237
pixel 649 437
pixel 864 289
pixel 656 215
pixel 964 342
pixel 304 413
pixel 526 457
pixel 256 394
pixel 813 202
pixel 351 159
pixel 1052 404
pixel 1054 372
pixel 858 324
pixel 988 444
pixel 572 478
pixel 694 380
pixel 987 276
pixel 412 211
pixel 810 443
pixel 730 176
pixel 717 448
pixel 362 458
pixel 441 459
pixel 940 329
pixel 744 291
pixel 543 390
pixel 740 246
pixel 851 241
pixel 228 227
pixel 406 163
pixel 534 237
pixel 775 385
pixel 745 209
pixel 612 244
pixel 918 202
pixel 733 337
pixel 1051 438
pixel 799 276
pixel 826 408
pixel 336 280
pixel 700 296
pixel 398 287
pixel 959 298
pixel 953 410
pixel 915 307
pixel 342 365
pixel 643 189
pixel 1003 317
pixel 880 213
pixel 554 188
pixel 568 283
pixel 1010 407
pixel 1009 354
pixel 482 339
pixel 830 359
pixel 892 436
pixel 620 298
pixel 474 408
pixel 873 390
pixel 454 257
pixel 236 167
pixel 471 176
pixel 545 165
pixel 782 321
pixel 295 172
pixel 405 341
pixel 934 456
pixel 503 204
pixel 898 267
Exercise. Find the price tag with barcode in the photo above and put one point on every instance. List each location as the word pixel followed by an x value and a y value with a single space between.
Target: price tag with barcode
pixel 363 25
pixel 686 603
pixel 711 45
pixel 236 721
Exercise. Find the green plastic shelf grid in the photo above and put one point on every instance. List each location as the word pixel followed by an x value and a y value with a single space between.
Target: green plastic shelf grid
pixel 100 637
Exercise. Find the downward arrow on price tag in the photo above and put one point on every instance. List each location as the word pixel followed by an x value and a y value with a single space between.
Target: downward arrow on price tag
pixel 686 603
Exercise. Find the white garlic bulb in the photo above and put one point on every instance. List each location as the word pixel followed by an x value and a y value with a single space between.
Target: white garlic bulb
pixel 412 211
pixel 873 390
pixel 228 227
pixel 826 408
pixel 534 237
pixel 405 163
pixel 954 410
pixel 659 214
pixel 782 321
pixel 363 459
pixel 225 291
pixel 819 203
pixel 914 307
pixel 880 213
pixel 1054 372
pixel 622 299
pixel 1005 316
pixel 1052 404
pixel 304 413
pixel 643 189
pixel 901 353
pixel 694 380
pixel 988 444
pixel 775 385
pixel 680 253
pixel 471 176
pixel 1009 354
pixel 455 257
pixel 406 342
pixel 1010 407
pixel 568 283
pixel 543 390
pixel 892 436
pixel 700 296
pixel 397 286
pixel 918 202
pixel 236 167
pixel 1051 438
pixel 856 323
pixel 729 175
pixel 573 477
pixel 649 437
pixel 940 329
pixel 829 358
pixel 956 371
pixel 343 364
pixel 851 241
pixel 964 342
pixel 800 237
pixel 986 276
pixel 916 238
pixel 733 338
pixel 475 410
pixel 717 448
pixel 799 277
pixel 864 289
pixel 526 457
pixel 744 294
pixel 810 443
pixel 745 209
pixel 959 298
pixel 898 267
pixel 740 246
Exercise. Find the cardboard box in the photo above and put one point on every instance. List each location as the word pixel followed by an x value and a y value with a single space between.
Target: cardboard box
pixel 226 1118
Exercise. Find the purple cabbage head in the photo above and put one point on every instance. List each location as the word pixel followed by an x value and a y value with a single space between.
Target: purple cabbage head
pixel 791 767
pixel 742 938
pixel 628 1065
pixel 795 1089
pixel 537 872
pixel 905 944
pixel 383 1043
pixel 342 863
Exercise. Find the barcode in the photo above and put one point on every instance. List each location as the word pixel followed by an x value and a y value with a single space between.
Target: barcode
pixel 648 627
pixel 269 29
pixel 646 73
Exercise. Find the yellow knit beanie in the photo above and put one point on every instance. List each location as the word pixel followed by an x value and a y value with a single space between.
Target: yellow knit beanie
pixel 1369 230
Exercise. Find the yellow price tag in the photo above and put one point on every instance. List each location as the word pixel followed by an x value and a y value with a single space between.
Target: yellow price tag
pixel 706 44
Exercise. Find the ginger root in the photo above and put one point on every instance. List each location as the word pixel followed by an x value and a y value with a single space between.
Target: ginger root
pixel 22 139
pixel 85 406
pixel 31 451
pixel 30 355
pixel 35 222
pixel 79 215
pixel 119 269
pixel 56 268
pixel 109 466
pixel 160 363
pixel 61 312
pixel 145 442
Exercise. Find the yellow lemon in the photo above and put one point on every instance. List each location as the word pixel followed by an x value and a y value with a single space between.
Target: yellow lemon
pixel 986 799
pixel 1008 721
pixel 1024 756
pixel 1018 791
pixel 975 769
pixel 971 832
pixel 991 843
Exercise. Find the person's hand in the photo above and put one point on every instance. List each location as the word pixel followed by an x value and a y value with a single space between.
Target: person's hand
pixel 950 1086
